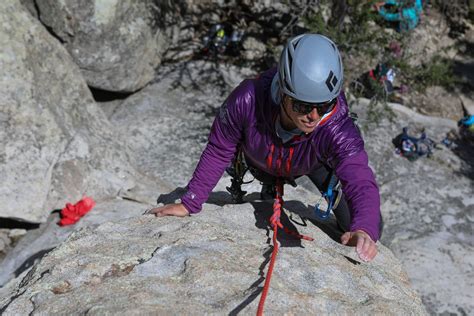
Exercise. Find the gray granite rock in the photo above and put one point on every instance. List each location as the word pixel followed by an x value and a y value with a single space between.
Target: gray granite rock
pixel 167 123
pixel 212 263
pixel 254 49
pixel 31 246
pixel 55 142
pixel 428 208
pixel 117 44
pixel 415 196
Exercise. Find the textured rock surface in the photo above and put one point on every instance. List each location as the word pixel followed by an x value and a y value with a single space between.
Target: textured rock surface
pixel 167 123
pixel 117 44
pixel 216 262
pixel 429 103
pixel 55 143
pixel 428 208
pixel 30 246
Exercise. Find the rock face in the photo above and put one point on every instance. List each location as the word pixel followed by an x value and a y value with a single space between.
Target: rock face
pixel 428 208
pixel 55 143
pixel 117 44
pixel 166 124
pixel 49 235
pixel 428 103
pixel 216 261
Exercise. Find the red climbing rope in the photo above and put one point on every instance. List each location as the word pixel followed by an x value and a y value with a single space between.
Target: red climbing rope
pixel 275 223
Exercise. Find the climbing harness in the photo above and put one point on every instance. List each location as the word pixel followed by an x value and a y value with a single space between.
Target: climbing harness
pixel 237 171
pixel 411 147
pixel 275 224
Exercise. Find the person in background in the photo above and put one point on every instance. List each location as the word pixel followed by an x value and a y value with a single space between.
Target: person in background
pixel 405 13
pixel 290 121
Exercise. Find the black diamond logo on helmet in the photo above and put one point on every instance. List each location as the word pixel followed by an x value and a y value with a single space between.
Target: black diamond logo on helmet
pixel 331 81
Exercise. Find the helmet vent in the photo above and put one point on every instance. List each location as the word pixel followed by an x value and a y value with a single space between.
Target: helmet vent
pixel 290 63
pixel 287 86
pixel 295 43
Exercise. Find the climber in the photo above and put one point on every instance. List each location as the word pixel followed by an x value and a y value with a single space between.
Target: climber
pixel 406 13
pixel 288 122
pixel 467 121
pixel 466 127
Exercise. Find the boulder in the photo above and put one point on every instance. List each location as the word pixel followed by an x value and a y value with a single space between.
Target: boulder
pixel 117 44
pixel 55 142
pixel 216 261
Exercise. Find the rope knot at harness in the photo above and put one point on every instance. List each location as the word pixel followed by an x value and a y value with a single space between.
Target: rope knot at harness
pixel 275 218
pixel 275 224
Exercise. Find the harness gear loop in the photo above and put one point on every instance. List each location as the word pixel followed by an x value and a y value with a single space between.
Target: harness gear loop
pixel 275 223
pixel 237 171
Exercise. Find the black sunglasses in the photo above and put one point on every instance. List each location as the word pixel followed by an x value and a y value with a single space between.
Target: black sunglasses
pixel 302 107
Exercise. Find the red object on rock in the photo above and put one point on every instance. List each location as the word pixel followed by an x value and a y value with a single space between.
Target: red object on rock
pixel 72 213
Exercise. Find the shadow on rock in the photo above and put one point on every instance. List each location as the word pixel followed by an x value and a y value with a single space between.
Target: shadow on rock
pixel 31 261
pixel 263 212
pixel 170 198
pixel 219 198
pixel 465 151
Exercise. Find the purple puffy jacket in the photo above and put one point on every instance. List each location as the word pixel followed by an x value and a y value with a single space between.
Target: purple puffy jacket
pixel 247 118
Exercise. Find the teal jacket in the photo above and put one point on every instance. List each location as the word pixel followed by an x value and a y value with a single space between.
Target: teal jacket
pixel 408 17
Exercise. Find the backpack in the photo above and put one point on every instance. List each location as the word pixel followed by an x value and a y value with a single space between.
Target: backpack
pixel 411 147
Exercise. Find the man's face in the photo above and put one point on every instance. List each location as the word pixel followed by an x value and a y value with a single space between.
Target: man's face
pixel 304 122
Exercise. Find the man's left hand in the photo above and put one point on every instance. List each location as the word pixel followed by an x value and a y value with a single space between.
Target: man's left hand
pixel 365 246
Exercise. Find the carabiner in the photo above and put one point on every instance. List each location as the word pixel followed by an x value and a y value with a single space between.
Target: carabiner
pixel 325 214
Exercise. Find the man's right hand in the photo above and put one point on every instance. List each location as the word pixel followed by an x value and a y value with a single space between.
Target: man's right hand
pixel 177 209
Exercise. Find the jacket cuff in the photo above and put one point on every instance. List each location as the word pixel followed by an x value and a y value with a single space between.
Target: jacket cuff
pixel 190 204
pixel 374 234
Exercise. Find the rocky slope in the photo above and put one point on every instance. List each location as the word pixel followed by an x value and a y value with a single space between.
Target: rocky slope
pixel 212 263
pixel 55 143
pixel 428 208
pixel 59 144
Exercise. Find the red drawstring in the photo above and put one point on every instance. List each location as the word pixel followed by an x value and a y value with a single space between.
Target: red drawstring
pixel 270 157
pixel 275 223
pixel 279 161
pixel 288 161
